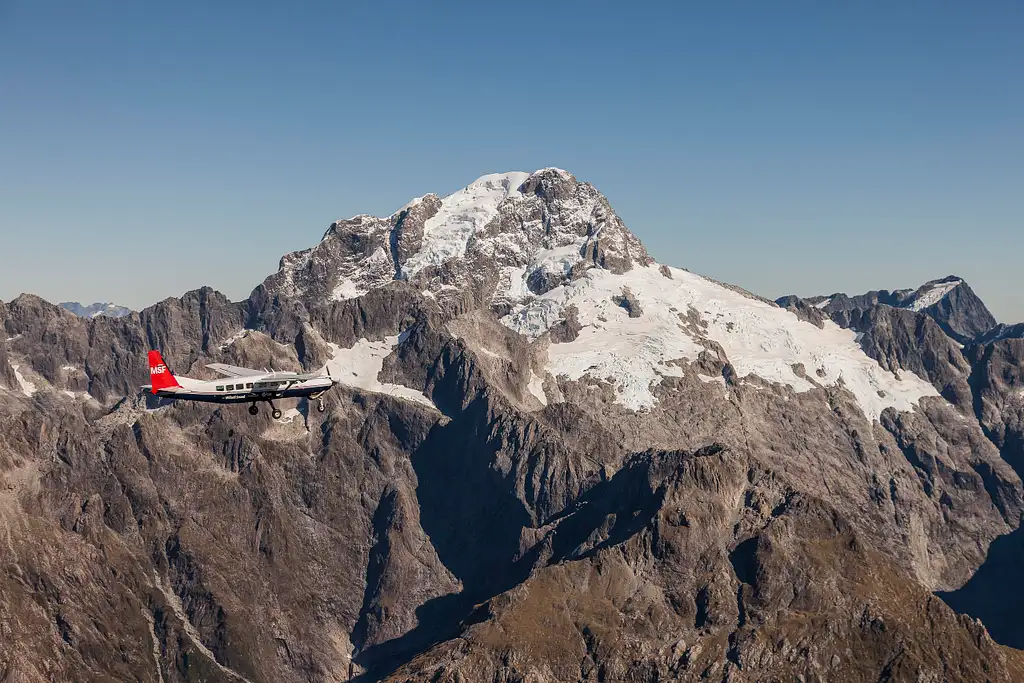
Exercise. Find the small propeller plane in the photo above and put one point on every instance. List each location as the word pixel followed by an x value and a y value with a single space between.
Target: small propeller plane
pixel 239 385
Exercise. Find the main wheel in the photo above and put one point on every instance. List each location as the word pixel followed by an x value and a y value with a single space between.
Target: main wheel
pixel 253 410
pixel 320 407
pixel 276 414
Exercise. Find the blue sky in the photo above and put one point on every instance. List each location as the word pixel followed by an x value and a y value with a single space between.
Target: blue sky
pixel 788 147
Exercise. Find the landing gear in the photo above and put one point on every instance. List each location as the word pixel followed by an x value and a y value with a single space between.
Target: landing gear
pixel 253 410
pixel 320 406
pixel 275 412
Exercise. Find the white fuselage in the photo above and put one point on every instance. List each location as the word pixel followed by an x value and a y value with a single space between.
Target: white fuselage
pixel 252 388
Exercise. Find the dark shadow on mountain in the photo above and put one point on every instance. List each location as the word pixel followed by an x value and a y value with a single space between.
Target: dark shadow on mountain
pixel 468 507
pixel 437 621
pixel 610 513
pixel 1010 443
pixel 471 513
pixel 994 593
pixel 474 521
pixel 376 563
pixel 744 561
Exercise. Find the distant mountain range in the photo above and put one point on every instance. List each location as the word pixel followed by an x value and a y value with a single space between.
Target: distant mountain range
pixel 551 458
pixel 93 310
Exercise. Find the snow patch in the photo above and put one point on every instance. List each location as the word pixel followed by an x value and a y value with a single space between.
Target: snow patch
pixel 80 396
pixel 934 295
pixel 632 353
pixel 536 387
pixel 372 271
pixel 513 283
pixel 346 289
pixel 290 415
pixel 291 263
pixel 360 365
pixel 241 334
pixel 823 304
pixel 27 387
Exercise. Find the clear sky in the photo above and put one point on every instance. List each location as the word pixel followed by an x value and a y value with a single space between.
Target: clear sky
pixel 788 147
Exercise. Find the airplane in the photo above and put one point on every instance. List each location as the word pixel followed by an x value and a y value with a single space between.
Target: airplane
pixel 240 385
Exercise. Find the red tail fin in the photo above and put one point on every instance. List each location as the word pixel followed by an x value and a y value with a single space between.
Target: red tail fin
pixel 159 375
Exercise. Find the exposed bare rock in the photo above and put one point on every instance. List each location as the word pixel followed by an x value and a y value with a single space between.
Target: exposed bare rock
pixel 900 339
pixel 628 301
pixel 803 309
pixel 568 328
pixel 997 381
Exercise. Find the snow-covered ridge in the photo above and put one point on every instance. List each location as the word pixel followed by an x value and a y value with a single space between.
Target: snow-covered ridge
pixel 926 298
pixel 759 339
pixel 461 215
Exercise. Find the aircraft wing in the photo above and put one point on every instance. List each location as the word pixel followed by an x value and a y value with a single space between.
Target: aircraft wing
pixel 310 375
pixel 234 370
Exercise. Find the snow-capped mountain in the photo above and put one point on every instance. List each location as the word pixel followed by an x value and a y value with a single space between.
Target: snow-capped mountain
pixel 93 310
pixel 547 252
pixel 548 457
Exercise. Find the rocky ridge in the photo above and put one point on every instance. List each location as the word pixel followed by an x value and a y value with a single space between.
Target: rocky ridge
pixel 753 497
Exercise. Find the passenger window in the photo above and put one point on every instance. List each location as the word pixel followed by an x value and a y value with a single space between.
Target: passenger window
pixel 248 385
pixel 220 388
pixel 231 387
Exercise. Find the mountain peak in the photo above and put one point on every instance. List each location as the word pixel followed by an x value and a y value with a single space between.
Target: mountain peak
pixel 931 293
pixel 535 226
pixel 949 300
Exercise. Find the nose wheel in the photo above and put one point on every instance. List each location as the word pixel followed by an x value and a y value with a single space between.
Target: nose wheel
pixel 320 406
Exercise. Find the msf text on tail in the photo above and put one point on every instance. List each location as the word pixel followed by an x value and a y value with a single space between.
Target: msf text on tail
pixel 237 385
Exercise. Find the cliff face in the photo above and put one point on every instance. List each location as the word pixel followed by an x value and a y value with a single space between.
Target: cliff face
pixel 612 470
